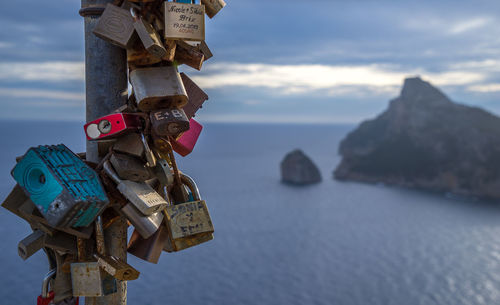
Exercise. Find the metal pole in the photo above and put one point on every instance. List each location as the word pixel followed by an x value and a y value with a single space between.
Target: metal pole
pixel 106 90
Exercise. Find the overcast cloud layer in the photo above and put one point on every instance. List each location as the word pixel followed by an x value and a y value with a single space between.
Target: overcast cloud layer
pixel 275 61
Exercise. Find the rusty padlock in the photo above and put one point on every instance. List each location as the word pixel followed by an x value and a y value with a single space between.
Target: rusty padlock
pixel 189 224
pixel 189 55
pixel 88 280
pixel 212 7
pixel 158 88
pixel 148 35
pixel 114 266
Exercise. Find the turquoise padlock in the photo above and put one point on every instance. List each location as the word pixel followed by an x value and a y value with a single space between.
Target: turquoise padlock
pixel 66 191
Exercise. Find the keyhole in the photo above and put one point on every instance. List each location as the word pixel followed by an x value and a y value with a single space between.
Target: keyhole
pixel 42 179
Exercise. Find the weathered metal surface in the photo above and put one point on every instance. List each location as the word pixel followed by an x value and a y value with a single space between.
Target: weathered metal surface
pixel 88 280
pixel 116 26
pixel 15 200
pixel 31 244
pixel 130 144
pixel 65 190
pixel 187 219
pixel 168 122
pixel 157 88
pixel 164 173
pixel 188 242
pixel 139 56
pixel 189 55
pixel 212 7
pixel 105 64
pixel 62 242
pixel 141 195
pixel 205 50
pixel 148 249
pixel 63 288
pixel 117 268
pixel 146 226
pixel 184 21
pixel 129 168
pixel 149 38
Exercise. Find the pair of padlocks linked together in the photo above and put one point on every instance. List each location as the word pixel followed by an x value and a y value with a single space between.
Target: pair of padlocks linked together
pixel 69 202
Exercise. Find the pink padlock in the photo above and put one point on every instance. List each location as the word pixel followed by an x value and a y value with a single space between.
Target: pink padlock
pixel 184 145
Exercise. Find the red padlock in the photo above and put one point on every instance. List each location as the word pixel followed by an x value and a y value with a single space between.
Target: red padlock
pixel 112 125
pixel 184 145
pixel 46 297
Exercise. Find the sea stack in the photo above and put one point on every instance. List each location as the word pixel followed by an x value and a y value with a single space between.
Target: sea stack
pixel 298 169
pixel 426 141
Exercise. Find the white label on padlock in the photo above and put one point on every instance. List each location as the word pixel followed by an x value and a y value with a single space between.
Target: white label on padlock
pixel 93 131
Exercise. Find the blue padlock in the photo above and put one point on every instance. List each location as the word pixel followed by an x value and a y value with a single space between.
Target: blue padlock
pixel 66 191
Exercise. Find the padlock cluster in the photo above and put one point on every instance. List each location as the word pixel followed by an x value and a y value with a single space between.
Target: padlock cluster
pixel 69 202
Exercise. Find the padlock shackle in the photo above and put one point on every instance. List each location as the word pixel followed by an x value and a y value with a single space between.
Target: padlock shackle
pixel 192 186
pixel 46 281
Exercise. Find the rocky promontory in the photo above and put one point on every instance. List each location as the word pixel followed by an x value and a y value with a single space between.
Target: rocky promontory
pixel 426 141
pixel 298 169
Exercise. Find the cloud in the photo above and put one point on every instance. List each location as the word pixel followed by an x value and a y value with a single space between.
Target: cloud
pixel 469 25
pixel 51 71
pixel 42 94
pixel 336 80
pixel 486 88
pixel 448 26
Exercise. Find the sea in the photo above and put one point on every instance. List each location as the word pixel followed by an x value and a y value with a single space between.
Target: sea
pixel 342 243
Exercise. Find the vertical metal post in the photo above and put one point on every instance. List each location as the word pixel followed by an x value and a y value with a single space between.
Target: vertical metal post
pixel 106 90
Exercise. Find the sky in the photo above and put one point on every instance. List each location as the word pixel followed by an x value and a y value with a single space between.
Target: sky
pixel 322 61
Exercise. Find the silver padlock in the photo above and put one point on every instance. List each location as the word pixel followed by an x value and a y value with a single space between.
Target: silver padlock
pixel 146 226
pixel 149 249
pixel 129 168
pixel 31 244
pixel 141 195
pixel 157 88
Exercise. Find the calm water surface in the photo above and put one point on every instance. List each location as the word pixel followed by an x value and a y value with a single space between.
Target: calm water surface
pixel 332 243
